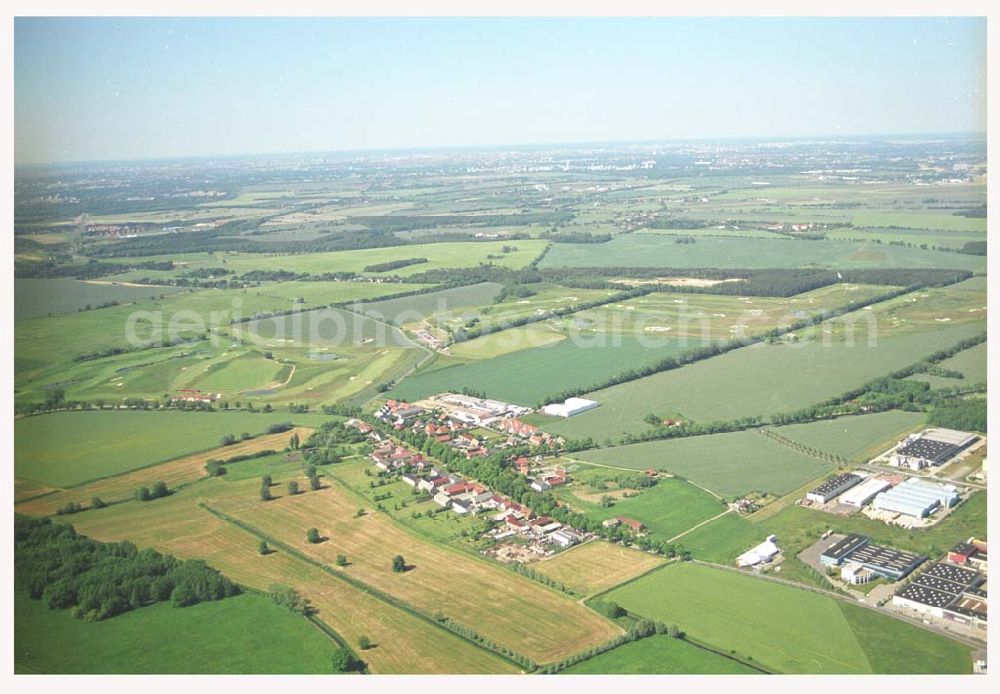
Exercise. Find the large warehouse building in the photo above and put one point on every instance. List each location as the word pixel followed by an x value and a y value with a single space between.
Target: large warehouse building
pixel 947 591
pixel 864 492
pixel 916 497
pixel 833 487
pixel 886 562
pixel 931 447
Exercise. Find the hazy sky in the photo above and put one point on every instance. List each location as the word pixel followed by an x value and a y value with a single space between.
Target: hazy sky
pixel 138 88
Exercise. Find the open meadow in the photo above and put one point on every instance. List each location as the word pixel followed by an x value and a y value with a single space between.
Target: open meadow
pixel 783 628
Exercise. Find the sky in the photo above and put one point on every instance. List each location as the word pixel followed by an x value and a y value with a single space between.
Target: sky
pixel 138 88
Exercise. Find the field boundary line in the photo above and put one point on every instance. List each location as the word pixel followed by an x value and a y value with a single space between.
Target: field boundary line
pixel 374 592
pixel 704 522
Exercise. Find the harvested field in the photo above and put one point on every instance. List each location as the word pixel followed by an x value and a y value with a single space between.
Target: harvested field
pixel 596 566
pixel 511 610
pixel 404 643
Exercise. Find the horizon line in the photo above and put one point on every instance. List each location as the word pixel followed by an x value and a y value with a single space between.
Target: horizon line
pixel 497 146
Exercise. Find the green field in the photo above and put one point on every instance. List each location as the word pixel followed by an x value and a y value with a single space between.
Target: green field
pixel 648 250
pixel 413 308
pixel 753 381
pixel 659 655
pixel 65 449
pixel 783 628
pixel 970 362
pixel 729 464
pixel 247 634
pixel 668 509
pixel 528 375
pixel 40 297
pixel 722 540
pixel 920 220
pixel 439 256
pixel 856 438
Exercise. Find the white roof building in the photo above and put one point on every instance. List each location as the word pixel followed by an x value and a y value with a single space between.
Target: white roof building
pixel 764 552
pixel 569 408
pixel 864 492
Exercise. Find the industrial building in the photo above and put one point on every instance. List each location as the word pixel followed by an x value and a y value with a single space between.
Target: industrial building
pixel 855 574
pixel 840 550
pixel 886 562
pixel 864 492
pixel 949 592
pixel 931 447
pixel 916 497
pixel 572 406
pixel 833 487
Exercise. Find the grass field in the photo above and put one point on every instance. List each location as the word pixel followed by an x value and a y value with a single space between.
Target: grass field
pixel 40 297
pixel 66 449
pixel 596 566
pixel 659 655
pixel 647 250
pixel 858 439
pixel 756 380
pixel 728 464
pixel 439 256
pixel 783 628
pixel 970 362
pixel 419 306
pixel 526 376
pixel 174 473
pixel 920 220
pixel 668 509
pixel 247 634
pixel 723 539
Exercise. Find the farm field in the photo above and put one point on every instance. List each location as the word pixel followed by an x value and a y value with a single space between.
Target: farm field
pixel 178 526
pixel 858 439
pixel 970 362
pixel 246 634
pixel 752 381
pixel 174 473
pixel 528 375
pixel 920 220
pixel 439 256
pixel 783 628
pixel 40 297
pixel 729 464
pixel 596 566
pixel 646 250
pixel 667 509
pixel 722 540
pixel 65 449
pixel 413 308
pixel 538 622
pixel 659 655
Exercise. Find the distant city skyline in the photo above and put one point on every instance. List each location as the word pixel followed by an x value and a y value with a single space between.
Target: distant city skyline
pixel 94 89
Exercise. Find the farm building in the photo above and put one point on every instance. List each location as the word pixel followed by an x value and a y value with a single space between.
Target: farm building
pixel 916 497
pixel 572 406
pixel 931 447
pixel 832 488
pixel 864 492
pixel 565 537
pixel 949 592
pixel 762 553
